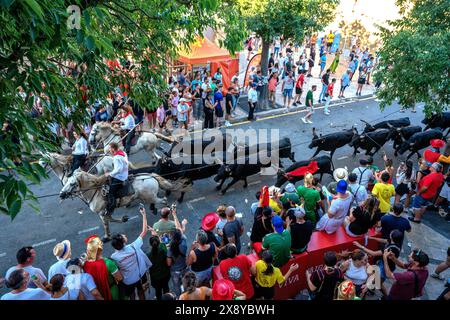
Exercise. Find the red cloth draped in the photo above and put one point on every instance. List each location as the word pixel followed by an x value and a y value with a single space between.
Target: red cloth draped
pixel 119 153
pixel 265 196
pixel 302 171
pixel 98 270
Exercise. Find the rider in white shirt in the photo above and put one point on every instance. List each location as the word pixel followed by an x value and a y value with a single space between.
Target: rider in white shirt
pixel 80 150
pixel 118 176
pixel 128 125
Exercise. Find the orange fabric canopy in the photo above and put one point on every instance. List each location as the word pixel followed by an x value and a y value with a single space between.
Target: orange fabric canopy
pixel 203 51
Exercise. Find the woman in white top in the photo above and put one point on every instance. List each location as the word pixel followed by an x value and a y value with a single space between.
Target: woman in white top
pixel 80 150
pixel 61 292
pixel 406 177
pixel 355 270
pixel 337 210
pixel 218 75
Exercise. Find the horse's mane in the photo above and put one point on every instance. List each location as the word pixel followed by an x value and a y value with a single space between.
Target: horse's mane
pixel 86 178
pixel 62 160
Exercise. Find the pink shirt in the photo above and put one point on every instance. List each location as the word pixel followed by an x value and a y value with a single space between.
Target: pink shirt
pixel 273 84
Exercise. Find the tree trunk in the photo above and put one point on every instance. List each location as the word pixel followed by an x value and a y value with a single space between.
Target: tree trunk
pixel 263 100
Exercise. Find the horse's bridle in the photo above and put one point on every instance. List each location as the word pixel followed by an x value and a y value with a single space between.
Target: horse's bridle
pixel 80 195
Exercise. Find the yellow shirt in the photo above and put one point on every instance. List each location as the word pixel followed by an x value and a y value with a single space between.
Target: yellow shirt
pixel 384 193
pixel 330 38
pixel 275 207
pixel 267 281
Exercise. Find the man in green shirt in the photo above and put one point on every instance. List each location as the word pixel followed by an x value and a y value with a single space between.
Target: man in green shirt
pixel 278 243
pixel 309 105
pixel 311 197
pixel 290 195
pixel 164 225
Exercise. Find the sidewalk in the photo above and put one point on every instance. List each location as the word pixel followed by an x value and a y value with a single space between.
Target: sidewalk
pixel 350 92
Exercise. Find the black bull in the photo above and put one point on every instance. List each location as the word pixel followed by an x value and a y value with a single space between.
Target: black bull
pixel 323 162
pixel 330 142
pixel 419 141
pixel 441 121
pixel 370 140
pixel 400 135
pixel 387 124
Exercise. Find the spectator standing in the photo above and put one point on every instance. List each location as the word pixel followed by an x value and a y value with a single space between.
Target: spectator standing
pixel 233 229
pixel 62 251
pixel 273 82
pixel 164 227
pixel 345 82
pixel 208 224
pixel 301 231
pixel 286 88
pixel 358 191
pixel 82 281
pixel 61 292
pixel 159 271
pixel 406 182
pixel 384 191
pixel 442 267
pixel 278 243
pixel 132 261
pixel 237 269
pixel 329 96
pixel 311 198
pixel 26 256
pixel 252 101
pixel 309 105
pixel 219 105
pixel 355 270
pixel 299 87
pixel 323 63
pixel 395 221
pixel 325 83
pixel 363 173
pixel 323 281
pixel 201 257
pixel 361 81
pixel 176 259
pixel 427 190
pixel 267 275
pixel 409 284
pixel 208 109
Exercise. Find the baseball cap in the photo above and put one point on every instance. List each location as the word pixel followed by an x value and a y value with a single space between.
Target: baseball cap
pixel 299 212
pixel 341 186
pixel 278 224
pixel 290 187
pixel 437 166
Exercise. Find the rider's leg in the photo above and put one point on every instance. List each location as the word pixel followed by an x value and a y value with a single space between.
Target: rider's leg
pixel 114 186
pixel 128 139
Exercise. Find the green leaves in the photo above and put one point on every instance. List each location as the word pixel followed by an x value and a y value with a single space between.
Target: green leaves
pixel 35 7
pixel 414 60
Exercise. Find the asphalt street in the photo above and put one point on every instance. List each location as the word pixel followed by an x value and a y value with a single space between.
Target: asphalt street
pixel 72 219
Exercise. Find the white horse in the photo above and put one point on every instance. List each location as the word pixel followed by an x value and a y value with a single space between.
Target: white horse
pixel 61 165
pixel 89 188
pixel 105 133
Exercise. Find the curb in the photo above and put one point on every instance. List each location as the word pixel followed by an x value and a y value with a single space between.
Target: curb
pixel 281 110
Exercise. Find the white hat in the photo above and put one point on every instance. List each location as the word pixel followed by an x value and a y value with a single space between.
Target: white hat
pixel 183 100
pixel 290 187
pixel 62 250
pixel 273 190
pixel 340 174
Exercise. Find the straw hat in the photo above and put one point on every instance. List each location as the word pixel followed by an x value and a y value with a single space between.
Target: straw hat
pixel 62 250
pixel 340 174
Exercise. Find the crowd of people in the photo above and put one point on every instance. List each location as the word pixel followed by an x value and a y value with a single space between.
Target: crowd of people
pixel 293 75
pixel 284 221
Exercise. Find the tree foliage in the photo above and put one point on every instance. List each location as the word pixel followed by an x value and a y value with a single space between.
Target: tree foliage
pixel 415 56
pixel 67 69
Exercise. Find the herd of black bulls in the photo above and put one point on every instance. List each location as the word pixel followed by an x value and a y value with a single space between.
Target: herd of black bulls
pixel 404 136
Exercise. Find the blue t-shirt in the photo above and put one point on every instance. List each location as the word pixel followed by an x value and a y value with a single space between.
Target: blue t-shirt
pixel 101 116
pixel 194 83
pixel 323 59
pixel 345 79
pixel 218 97
pixel 390 222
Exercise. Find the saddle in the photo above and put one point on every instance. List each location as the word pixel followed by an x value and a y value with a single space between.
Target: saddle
pixel 126 190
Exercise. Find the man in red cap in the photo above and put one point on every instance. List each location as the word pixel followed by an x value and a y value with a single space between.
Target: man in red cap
pixel 432 154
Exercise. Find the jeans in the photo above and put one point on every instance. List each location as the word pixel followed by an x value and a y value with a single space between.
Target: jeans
pixel 209 119
pixel 276 51
pixel 203 277
pixel 78 161
pixel 114 186
pixel 197 112
pixel 322 93
pixel 177 277
pixel 327 104
pixel 251 110
pixel 128 139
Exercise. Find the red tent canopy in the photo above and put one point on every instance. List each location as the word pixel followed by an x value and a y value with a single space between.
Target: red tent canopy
pixel 203 51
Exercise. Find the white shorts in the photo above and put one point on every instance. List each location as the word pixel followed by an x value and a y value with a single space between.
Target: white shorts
pixel 445 192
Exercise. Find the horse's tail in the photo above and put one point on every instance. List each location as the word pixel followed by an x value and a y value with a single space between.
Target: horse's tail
pixel 178 185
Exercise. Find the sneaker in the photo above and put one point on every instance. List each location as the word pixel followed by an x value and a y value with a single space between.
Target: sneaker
pixel 304 120
pixel 309 121
pixel 436 276
pixel 327 113
pixel 294 104
pixel 412 219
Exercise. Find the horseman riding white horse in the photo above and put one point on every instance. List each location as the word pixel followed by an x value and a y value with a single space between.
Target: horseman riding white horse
pixel 105 133
pixel 90 188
